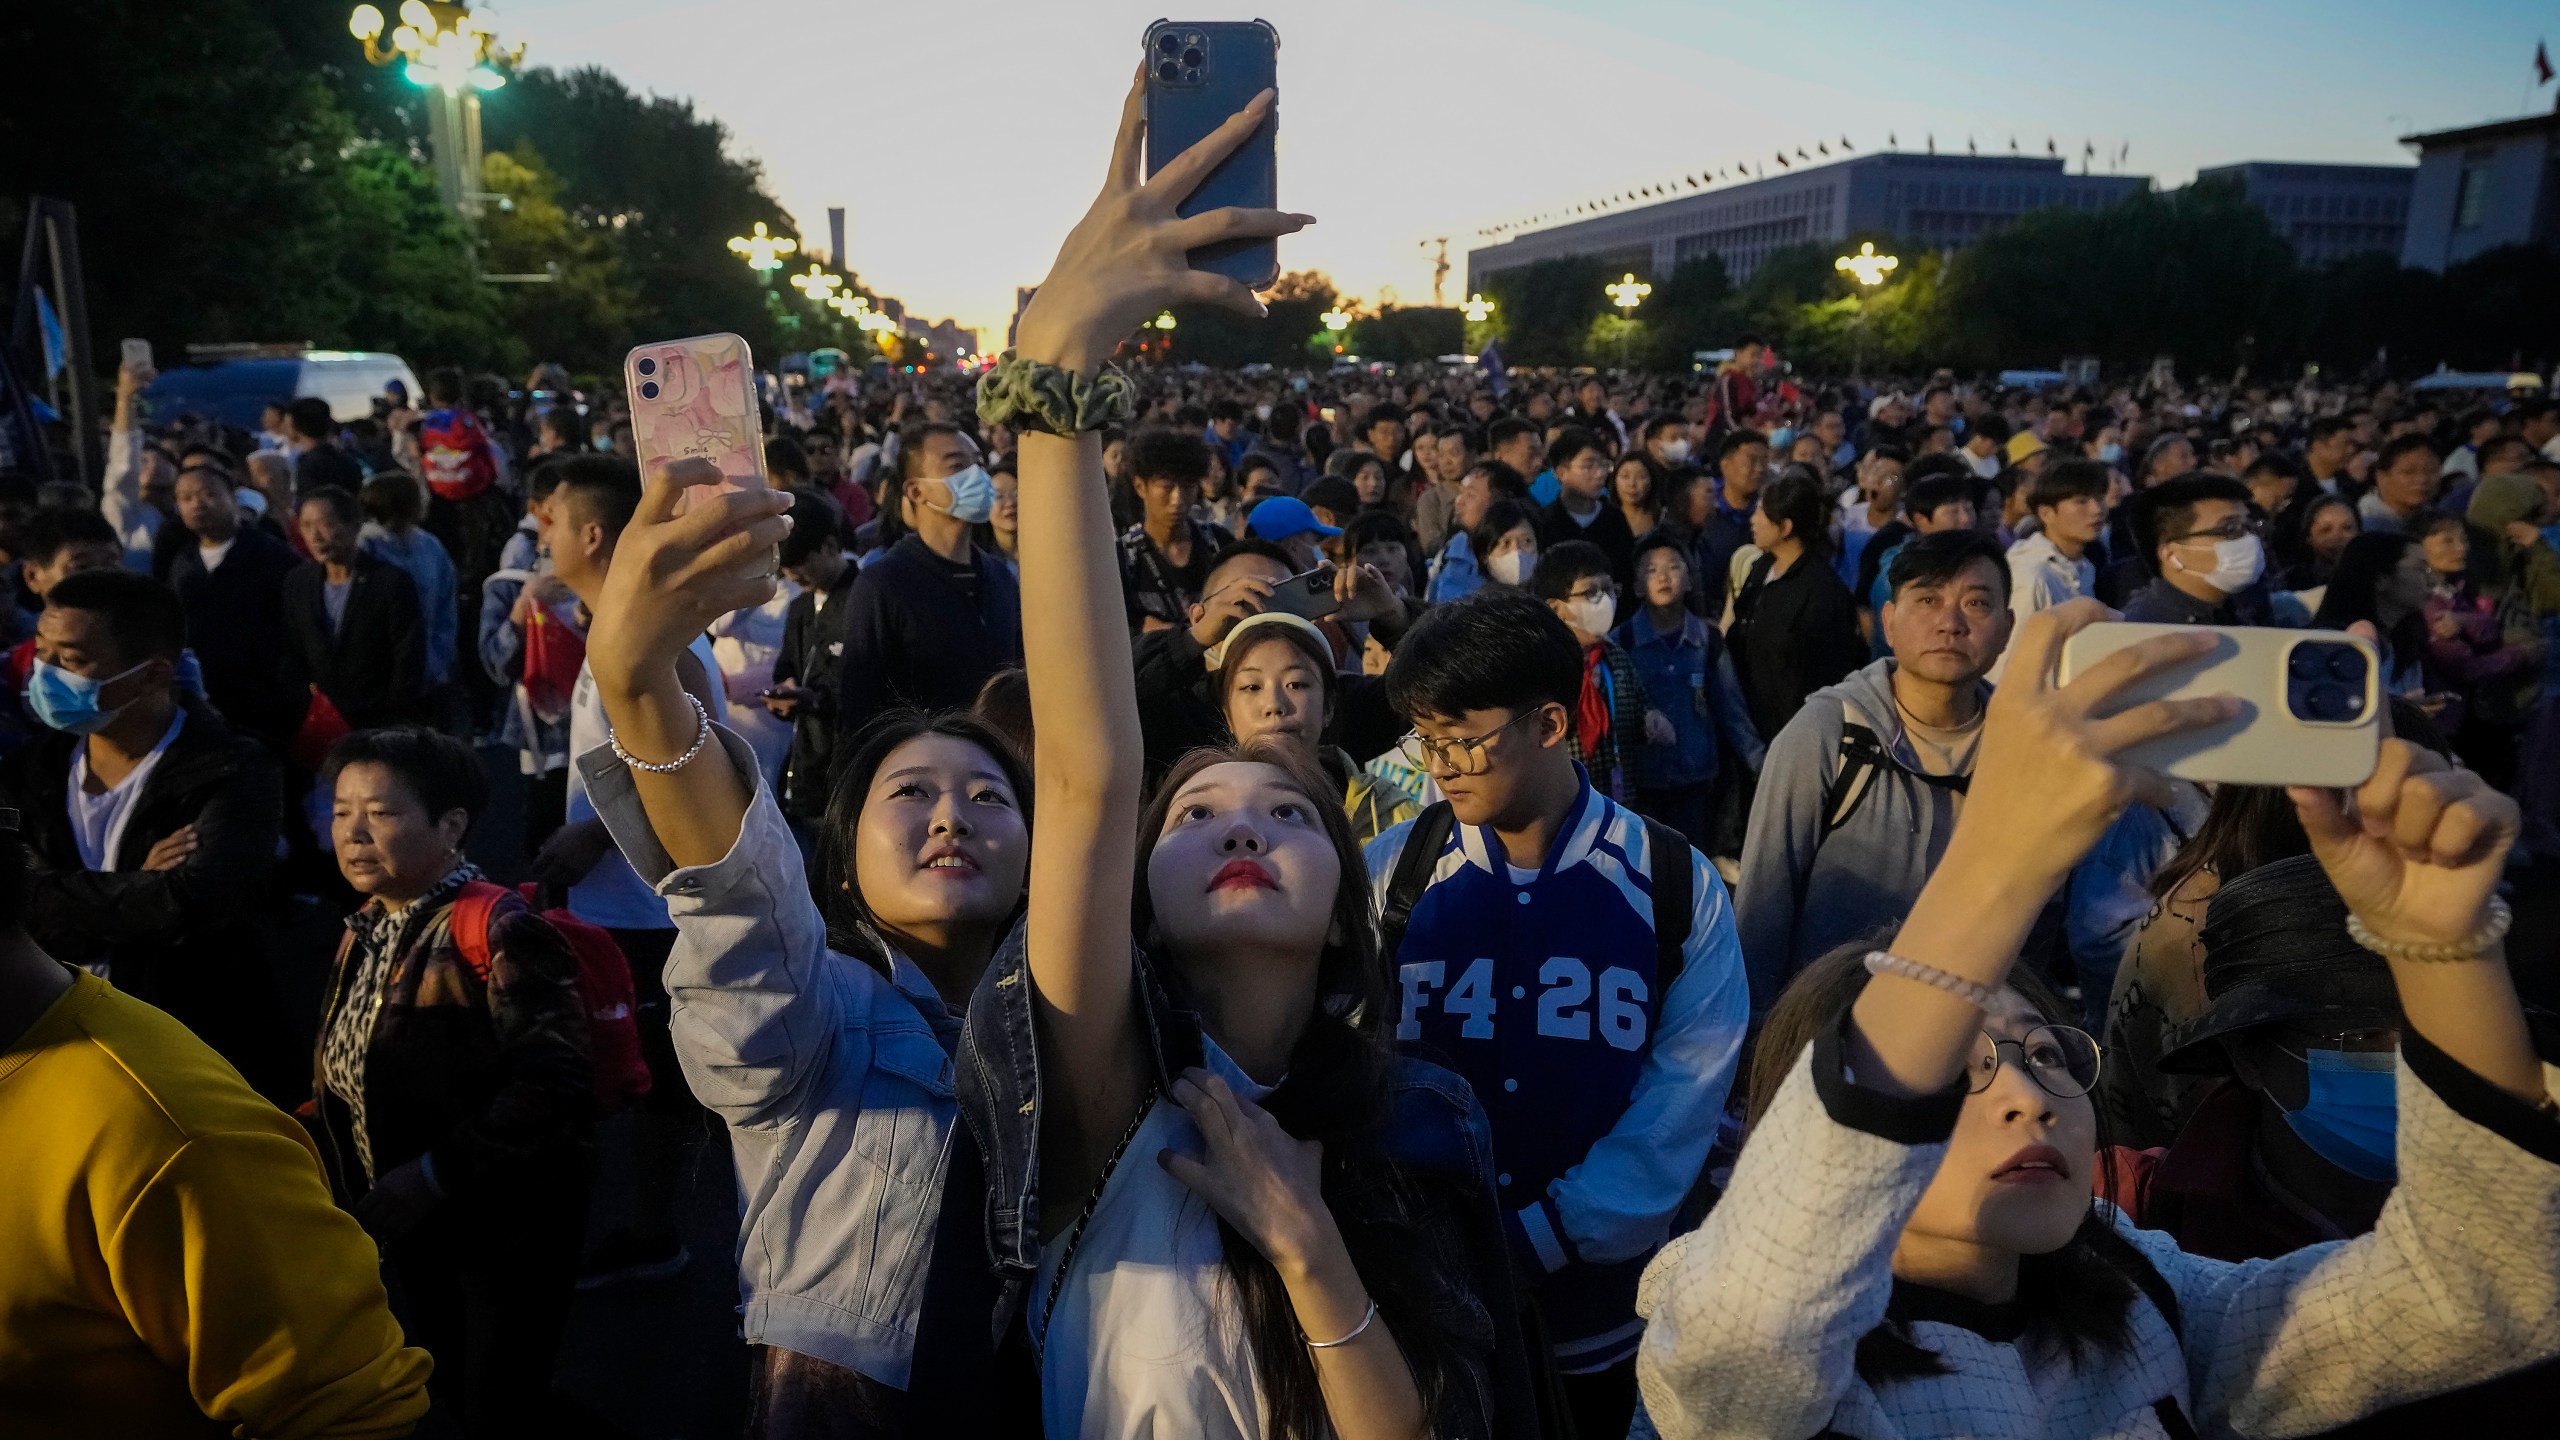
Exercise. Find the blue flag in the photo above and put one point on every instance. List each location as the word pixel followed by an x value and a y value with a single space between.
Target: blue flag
pixel 1494 370
pixel 50 325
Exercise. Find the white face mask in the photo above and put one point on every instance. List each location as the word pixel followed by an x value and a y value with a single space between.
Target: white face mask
pixel 2236 564
pixel 1511 567
pixel 1261 412
pixel 1675 452
pixel 1593 616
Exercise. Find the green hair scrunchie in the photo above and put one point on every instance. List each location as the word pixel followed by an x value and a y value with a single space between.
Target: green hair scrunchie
pixel 1028 395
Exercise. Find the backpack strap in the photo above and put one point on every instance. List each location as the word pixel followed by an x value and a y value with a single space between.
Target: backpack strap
pixel 1674 898
pixel 1861 756
pixel 473 909
pixel 1412 874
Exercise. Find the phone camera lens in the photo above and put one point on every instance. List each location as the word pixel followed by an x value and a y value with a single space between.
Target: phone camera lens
pixel 1192 56
pixel 2346 666
pixel 1168 71
pixel 2327 702
pixel 647 366
pixel 649 389
pixel 2306 663
pixel 1168 43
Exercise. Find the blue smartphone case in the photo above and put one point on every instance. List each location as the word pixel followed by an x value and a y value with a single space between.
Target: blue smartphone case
pixel 1198 74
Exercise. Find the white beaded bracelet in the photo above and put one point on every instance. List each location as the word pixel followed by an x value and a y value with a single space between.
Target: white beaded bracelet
pixel 701 737
pixel 1999 1004
pixel 2437 952
pixel 1356 1332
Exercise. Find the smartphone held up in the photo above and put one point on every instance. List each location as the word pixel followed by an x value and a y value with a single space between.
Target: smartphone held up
pixel 1198 75
pixel 695 399
pixel 2311 703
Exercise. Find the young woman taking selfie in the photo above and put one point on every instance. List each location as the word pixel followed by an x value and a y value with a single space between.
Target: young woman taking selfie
pixel 826 1042
pixel 1909 1245
pixel 1246 1216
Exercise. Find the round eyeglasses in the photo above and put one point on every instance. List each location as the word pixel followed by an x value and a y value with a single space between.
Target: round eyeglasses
pixel 1462 755
pixel 2061 1060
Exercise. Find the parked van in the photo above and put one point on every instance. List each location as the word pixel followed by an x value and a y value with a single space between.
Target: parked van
pixel 233 384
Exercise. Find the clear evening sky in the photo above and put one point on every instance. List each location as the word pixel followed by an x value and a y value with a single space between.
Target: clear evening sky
pixel 965 138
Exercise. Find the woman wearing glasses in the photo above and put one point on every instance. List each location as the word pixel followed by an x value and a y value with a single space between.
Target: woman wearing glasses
pixel 1909 1244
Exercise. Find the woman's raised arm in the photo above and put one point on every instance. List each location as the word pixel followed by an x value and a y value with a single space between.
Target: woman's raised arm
pixel 1123 262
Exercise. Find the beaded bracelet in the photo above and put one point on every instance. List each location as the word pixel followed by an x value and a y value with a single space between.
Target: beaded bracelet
pixel 1028 395
pixel 1356 1332
pixel 2437 952
pixel 1999 1004
pixel 701 737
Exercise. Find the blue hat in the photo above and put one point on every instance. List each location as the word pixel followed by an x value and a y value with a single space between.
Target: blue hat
pixel 1282 516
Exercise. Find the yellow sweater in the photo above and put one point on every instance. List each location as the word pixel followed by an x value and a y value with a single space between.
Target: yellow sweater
pixel 170 1260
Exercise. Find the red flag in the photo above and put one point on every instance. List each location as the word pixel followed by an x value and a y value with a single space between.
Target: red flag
pixel 2541 64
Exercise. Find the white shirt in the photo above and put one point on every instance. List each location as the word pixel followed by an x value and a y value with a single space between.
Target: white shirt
pixel 98 821
pixel 2039 579
pixel 214 555
pixel 1147 1337
pixel 612 894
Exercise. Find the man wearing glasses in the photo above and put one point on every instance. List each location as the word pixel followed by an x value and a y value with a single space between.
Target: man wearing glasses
pixel 2206 556
pixel 1575 962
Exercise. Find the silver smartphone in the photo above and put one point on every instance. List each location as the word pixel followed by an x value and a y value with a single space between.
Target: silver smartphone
pixel 2311 703
pixel 137 355
pixel 1308 596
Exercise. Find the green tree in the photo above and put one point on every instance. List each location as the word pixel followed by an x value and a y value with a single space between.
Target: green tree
pixel 1684 314
pixel 1543 311
pixel 585 319
pixel 1402 333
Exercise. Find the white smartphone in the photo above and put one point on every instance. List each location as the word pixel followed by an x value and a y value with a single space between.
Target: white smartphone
pixel 2311 703
pixel 137 355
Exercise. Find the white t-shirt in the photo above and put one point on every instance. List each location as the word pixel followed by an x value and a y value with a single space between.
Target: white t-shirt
pixel 612 894
pixel 1147 1338
pixel 98 821
pixel 214 555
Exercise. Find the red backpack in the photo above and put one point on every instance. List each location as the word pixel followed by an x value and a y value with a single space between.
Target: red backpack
pixel 604 979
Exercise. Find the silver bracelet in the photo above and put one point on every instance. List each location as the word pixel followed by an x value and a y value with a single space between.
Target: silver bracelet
pixel 1356 1332
pixel 1999 1004
pixel 2437 952
pixel 701 737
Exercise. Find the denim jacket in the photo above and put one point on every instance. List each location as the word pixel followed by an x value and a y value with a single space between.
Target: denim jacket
pixel 835 1081
pixel 1437 1141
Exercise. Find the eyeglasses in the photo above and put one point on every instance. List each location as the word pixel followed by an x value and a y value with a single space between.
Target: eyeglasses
pixel 1458 756
pixel 2061 1060
pixel 1594 590
pixel 2232 528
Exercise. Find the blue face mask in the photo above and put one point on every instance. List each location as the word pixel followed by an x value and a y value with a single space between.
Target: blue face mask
pixel 69 702
pixel 973 495
pixel 2353 1116
pixel 2111 453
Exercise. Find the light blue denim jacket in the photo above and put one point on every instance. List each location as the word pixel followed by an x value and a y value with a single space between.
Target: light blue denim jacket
pixel 836 1082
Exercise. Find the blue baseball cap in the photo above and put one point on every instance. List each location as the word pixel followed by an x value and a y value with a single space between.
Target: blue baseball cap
pixel 1282 516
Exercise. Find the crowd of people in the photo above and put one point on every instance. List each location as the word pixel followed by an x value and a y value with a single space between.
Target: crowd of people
pixel 1267 904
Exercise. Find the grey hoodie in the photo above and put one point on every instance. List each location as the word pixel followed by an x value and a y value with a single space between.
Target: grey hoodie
pixel 1802 893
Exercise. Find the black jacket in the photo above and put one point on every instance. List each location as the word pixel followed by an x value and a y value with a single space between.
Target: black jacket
pixel 373 666
pixel 193 940
pixel 1177 715
pixel 914 637
pixel 1608 530
pixel 235 624
pixel 812 656
pixel 1791 636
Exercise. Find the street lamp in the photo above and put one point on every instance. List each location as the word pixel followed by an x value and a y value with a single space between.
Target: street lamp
pixel 1337 320
pixel 762 252
pixel 1164 321
pixel 1476 308
pixel 1628 293
pixel 1867 267
pixel 453 54
pixel 817 284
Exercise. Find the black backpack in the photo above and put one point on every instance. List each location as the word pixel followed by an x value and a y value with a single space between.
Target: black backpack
pixel 1674 897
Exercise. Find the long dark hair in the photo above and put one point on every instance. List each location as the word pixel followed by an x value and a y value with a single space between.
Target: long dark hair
pixel 851 927
pixel 1337 1091
pixel 2079 1297
pixel 2245 827
pixel 2354 593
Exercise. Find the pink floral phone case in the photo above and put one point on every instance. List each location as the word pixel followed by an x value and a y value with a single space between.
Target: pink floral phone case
pixel 695 399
